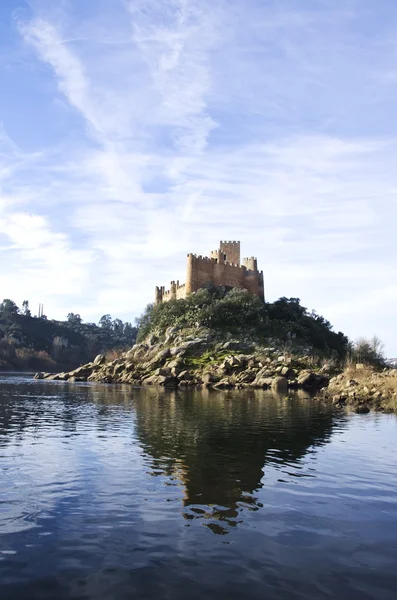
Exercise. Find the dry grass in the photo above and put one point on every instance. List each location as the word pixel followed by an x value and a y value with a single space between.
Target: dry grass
pixel 376 388
pixel 114 354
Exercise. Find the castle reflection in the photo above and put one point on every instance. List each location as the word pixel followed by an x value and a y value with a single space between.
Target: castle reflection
pixel 218 443
pixel 214 444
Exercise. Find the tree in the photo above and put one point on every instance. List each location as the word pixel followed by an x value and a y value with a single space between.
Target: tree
pixel 118 326
pixel 8 307
pixel 26 309
pixel 369 351
pixel 74 320
pixel 105 322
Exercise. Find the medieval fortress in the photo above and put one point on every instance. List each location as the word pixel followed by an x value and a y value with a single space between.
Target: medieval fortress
pixel 221 268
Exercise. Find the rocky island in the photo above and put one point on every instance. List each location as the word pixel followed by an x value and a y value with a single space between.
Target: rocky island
pixel 217 331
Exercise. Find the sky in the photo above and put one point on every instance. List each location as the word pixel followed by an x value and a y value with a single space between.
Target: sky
pixel 135 131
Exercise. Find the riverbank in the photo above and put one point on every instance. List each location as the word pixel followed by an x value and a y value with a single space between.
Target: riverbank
pixel 362 389
pixel 183 358
pixel 202 359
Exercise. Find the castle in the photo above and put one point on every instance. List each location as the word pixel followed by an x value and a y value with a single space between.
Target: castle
pixel 221 268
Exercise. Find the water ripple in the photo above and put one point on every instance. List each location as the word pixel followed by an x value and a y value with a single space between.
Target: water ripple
pixel 113 491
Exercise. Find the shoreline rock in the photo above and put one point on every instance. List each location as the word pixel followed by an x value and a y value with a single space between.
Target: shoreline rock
pixel 363 389
pixel 200 360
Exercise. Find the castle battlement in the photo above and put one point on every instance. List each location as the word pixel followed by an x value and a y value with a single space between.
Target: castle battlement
pixel 221 268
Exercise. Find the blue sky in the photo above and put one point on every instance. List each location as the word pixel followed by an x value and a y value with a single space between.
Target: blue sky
pixel 135 131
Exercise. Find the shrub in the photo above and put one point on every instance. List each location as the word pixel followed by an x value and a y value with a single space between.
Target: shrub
pixel 368 352
pixel 237 311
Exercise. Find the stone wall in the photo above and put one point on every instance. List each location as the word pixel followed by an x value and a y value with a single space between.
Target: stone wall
pixel 222 268
pixel 232 251
pixel 202 270
pixel 176 292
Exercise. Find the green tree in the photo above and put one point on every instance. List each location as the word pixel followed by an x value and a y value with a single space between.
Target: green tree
pixel 74 320
pixel 8 307
pixel 105 322
pixel 25 308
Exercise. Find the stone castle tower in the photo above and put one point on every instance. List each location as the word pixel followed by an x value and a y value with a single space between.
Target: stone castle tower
pixel 221 268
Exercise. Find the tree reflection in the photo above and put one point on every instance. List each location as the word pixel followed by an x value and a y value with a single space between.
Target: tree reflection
pixel 218 443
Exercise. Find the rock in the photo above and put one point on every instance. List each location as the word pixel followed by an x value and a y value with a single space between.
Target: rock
pixel 171 331
pixel 185 376
pixel 309 379
pixel 264 382
pixel 246 377
pixel 174 364
pixel 161 380
pixel 224 384
pixel 40 375
pixel 119 369
pixel 161 371
pixel 362 409
pixel 351 383
pixel 83 371
pixel 279 383
pixel 100 359
pixel 158 359
pixel 287 372
pixel 233 361
pixel 152 340
pixel 208 379
pixel 137 352
pixel 238 345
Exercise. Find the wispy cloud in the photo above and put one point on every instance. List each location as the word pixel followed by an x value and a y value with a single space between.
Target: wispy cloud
pixel 153 128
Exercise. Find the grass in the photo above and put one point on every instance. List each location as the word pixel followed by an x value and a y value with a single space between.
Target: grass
pixel 208 357
pixel 111 355
pixel 372 380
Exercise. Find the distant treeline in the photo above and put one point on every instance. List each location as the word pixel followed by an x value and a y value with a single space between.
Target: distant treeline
pixel 37 343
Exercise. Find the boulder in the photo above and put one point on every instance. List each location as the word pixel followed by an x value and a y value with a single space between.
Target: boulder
pixel 175 364
pixel 100 359
pixel 158 359
pixel 83 371
pixel 309 380
pixel 161 380
pixel 119 369
pixel 246 377
pixel 41 375
pixel 208 379
pixel 264 382
pixel 238 345
pixel 224 383
pixel 279 383
pixel 362 409
pixel 288 373
pixel 185 376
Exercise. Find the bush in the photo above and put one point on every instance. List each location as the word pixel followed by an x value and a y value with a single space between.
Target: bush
pixel 237 311
pixel 368 352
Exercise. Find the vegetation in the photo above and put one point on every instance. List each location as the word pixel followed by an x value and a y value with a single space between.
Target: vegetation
pixel 37 343
pixel 363 387
pixel 368 352
pixel 237 312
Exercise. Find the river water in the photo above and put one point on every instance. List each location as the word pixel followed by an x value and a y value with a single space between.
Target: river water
pixel 113 492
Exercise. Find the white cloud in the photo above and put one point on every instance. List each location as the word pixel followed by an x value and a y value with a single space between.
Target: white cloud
pixel 183 122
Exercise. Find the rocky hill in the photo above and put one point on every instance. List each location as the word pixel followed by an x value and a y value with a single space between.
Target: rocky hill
pixel 181 358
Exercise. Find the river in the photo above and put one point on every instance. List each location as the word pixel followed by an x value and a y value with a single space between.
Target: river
pixel 114 492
